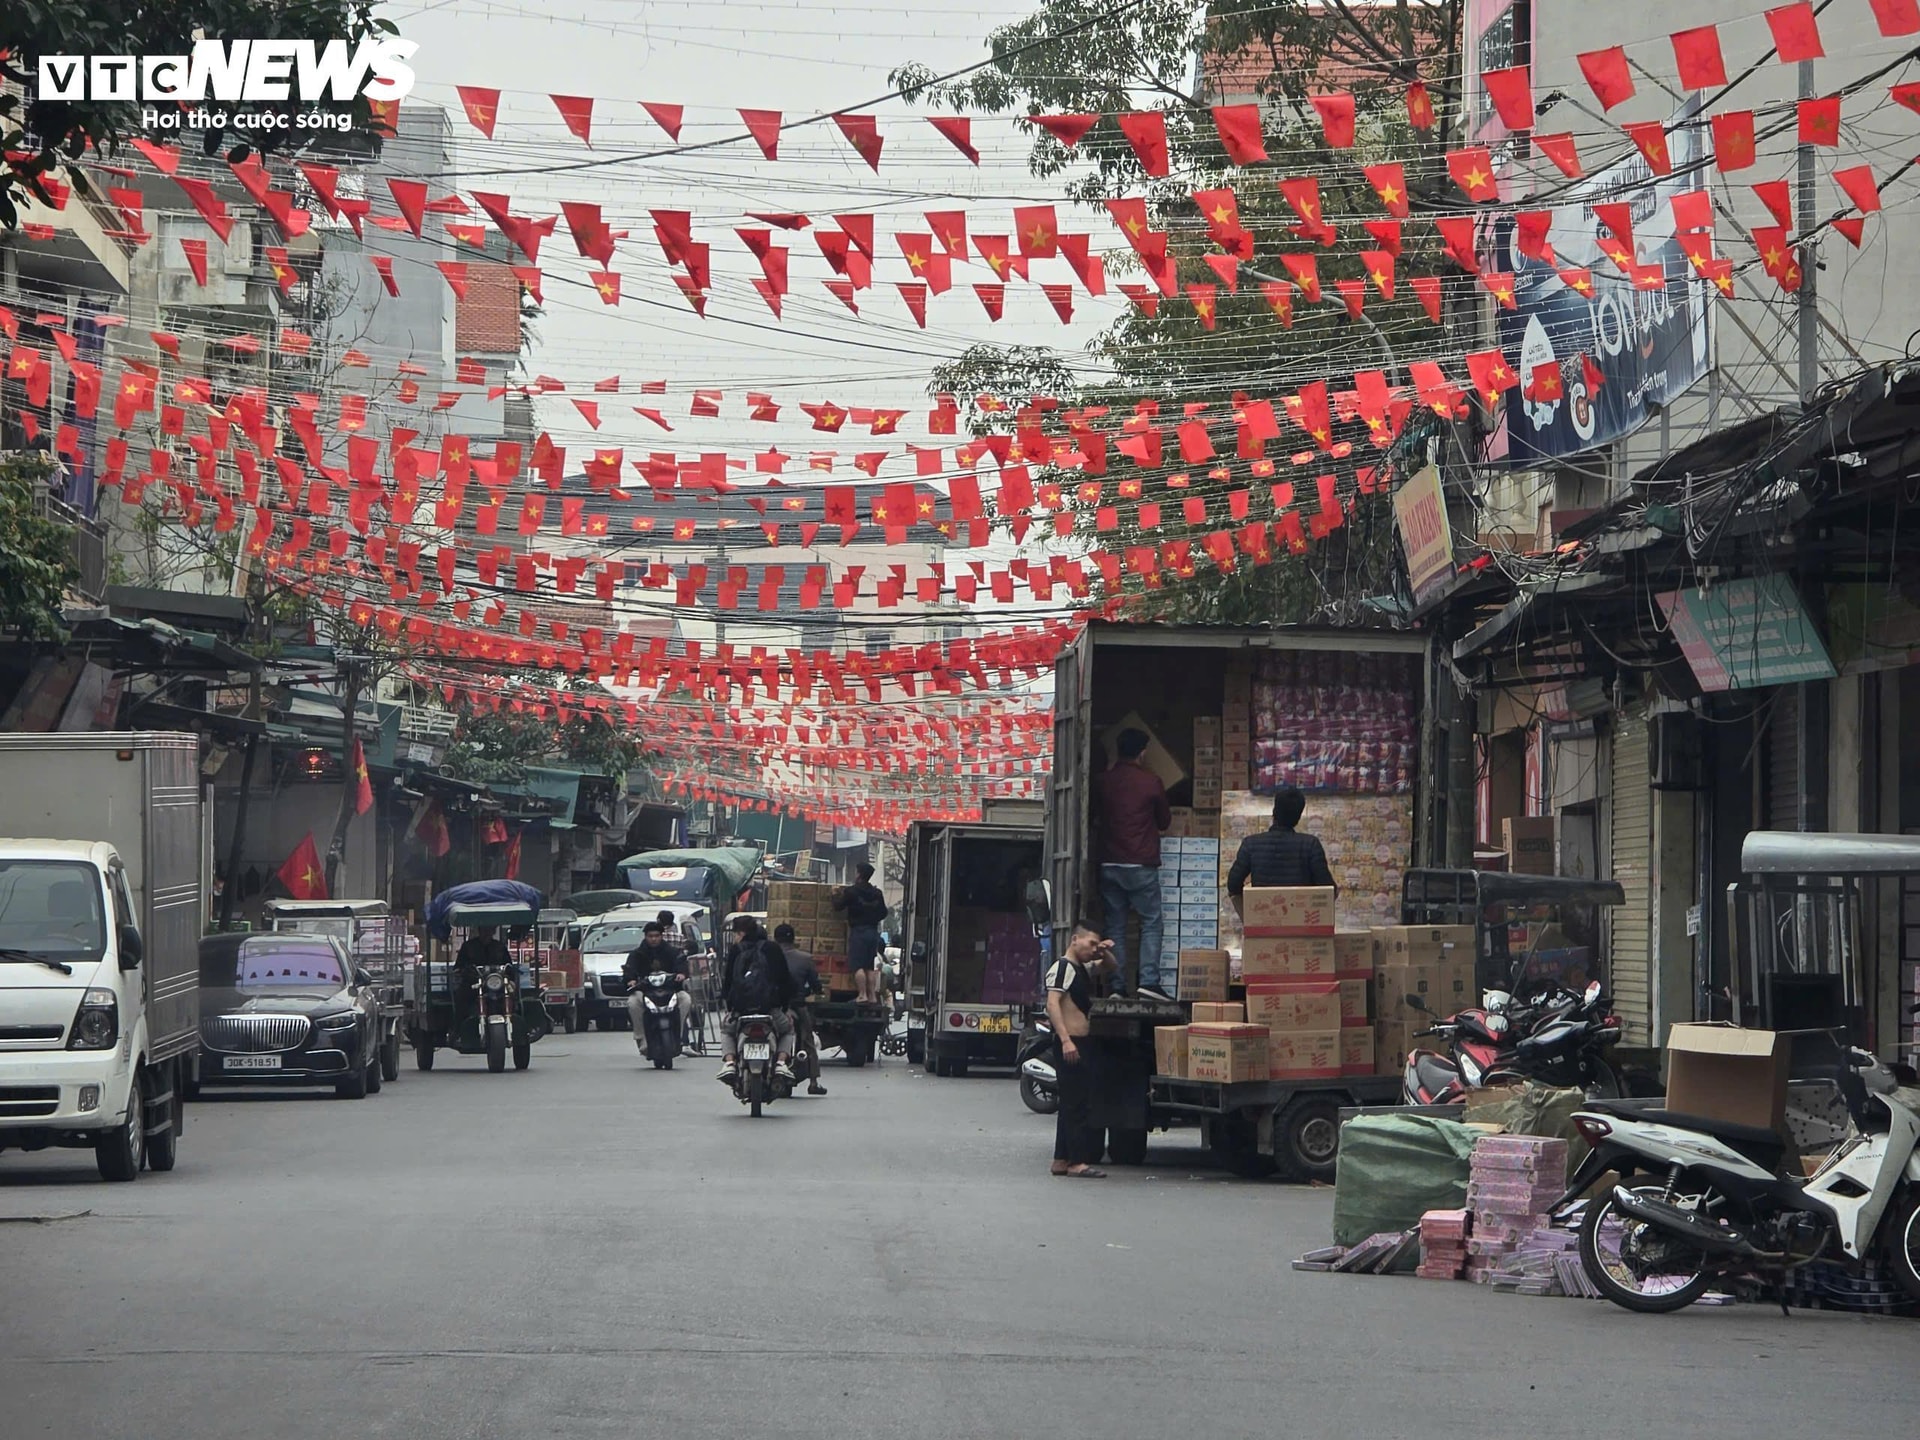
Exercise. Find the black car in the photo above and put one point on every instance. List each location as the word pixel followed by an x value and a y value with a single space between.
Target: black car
pixel 286 1010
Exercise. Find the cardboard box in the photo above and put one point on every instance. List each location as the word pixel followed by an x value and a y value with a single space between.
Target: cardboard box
pixel 1288 955
pixel 1170 1051
pixel 1206 730
pixel 1213 1012
pixel 1304 1055
pixel 1440 987
pixel 1353 950
pixel 1356 1050
pixel 1227 1054
pixel 1287 910
pixel 1528 841
pixel 1356 997
pixel 1725 1073
pixel 1203 975
pixel 1421 944
pixel 1295 1005
pixel 1392 1039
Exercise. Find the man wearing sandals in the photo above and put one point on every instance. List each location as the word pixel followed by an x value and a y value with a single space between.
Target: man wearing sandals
pixel 1070 990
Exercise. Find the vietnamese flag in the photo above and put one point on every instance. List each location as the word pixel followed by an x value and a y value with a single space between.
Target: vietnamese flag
pixel 482 107
pixel 363 783
pixel 301 872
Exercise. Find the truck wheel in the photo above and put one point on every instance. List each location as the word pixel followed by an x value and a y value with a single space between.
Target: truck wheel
pixel 522 1054
pixel 916 1047
pixel 496 1048
pixel 390 1057
pixel 122 1151
pixel 1127 1147
pixel 855 1049
pixel 423 1051
pixel 566 1020
pixel 1306 1137
pixel 167 1113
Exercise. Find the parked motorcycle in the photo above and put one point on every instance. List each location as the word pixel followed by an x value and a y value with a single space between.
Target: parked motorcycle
pixel 1039 1082
pixel 755 1080
pixel 1557 1037
pixel 660 1015
pixel 1700 1199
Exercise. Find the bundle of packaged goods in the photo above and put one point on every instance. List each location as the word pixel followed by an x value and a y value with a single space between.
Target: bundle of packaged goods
pixel 1334 721
pixel 1189 895
pixel 1512 1185
pixel 1012 960
pixel 1443 1244
pixel 1434 962
pixel 1368 840
pixel 1207 771
pixel 1202 976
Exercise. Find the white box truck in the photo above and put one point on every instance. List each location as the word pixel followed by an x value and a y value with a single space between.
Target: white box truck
pixel 102 894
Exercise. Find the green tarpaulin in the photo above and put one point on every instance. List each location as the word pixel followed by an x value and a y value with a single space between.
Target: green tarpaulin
pixel 1392 1169
pixel 735 864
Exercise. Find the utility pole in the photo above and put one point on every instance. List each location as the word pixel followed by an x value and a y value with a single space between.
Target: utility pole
pixel 1809 313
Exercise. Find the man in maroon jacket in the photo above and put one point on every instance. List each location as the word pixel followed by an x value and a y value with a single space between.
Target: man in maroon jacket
pixel 1133 810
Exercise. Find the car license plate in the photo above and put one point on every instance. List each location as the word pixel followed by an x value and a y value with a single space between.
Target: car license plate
pixel 253 1062
pixel 996 1024
pixel 759 1052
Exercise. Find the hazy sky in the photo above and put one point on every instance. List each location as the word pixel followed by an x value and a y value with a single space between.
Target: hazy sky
pixel 799 58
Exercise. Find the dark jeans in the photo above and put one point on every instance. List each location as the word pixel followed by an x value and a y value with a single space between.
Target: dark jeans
pixel 804 1039
pixel 1074 1138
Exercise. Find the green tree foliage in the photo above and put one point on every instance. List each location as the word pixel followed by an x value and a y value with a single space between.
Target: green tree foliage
pixel 1149 56
pixel 55 130
pixel 497 746
pixel 36 553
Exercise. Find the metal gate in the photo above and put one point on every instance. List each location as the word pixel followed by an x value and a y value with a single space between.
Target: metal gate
pixel 1066 827
pixel 1630 970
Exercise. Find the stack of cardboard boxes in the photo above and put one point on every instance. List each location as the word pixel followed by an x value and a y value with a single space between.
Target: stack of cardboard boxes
pixel 1207 772
pixel 1307 983
pixel 817 927
pixel 1189 896
pixel 1434 962
pixel 1201 979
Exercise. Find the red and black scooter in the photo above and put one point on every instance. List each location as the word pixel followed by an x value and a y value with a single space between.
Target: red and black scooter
pixel 1558 1038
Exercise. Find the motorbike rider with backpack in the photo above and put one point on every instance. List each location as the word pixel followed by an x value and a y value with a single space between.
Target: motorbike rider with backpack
pixel 756 981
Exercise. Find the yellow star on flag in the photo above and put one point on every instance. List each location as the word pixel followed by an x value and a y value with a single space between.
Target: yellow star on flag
pixel 1477 179
pixel 1221 215
pixel 1378 277
pixel 925 507
pixel 1389 193
pixel 1133 227
pixel 916 261
pixel 1038 236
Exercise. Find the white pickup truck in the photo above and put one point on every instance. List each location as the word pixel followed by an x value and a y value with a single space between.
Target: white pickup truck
pixel 101 905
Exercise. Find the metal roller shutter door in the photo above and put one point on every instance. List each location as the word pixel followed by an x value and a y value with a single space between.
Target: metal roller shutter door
pixel 1630 978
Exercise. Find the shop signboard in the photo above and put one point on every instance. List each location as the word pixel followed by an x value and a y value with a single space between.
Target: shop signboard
pixel 1744 634
pixel 1649 345
pixel 1420 512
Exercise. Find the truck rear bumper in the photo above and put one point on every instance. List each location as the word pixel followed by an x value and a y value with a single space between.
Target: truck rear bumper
pixel 62 1090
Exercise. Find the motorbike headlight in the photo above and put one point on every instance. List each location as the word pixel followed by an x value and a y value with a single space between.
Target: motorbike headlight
pixel 97 1026
pixel 496 982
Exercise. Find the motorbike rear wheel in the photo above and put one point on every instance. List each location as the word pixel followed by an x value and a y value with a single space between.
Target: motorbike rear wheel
pixel 1903 1242
pixel 1037 1097
pixel 496 1048
pixel 756 1093
pixel 522 1054
pixel 1605 1084
pixel 1636 1266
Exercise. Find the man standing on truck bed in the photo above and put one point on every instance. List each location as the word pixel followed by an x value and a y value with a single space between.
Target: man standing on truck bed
pixel 1280 855
pixel 1133 810
pixel 865 908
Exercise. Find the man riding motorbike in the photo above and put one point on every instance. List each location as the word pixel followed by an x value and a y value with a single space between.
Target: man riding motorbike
pixel 655 952
pixel 806 983
pixel 483 948
pixel 755 980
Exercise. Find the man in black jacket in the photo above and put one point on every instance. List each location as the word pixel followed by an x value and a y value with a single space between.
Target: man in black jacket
pixel 656 952
pixel 865 907
pixel 1280 855
pixel 756 981
pixel 806 980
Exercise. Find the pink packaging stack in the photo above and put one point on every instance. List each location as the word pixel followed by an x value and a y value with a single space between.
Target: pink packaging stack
pixel 1443 1243
pixel 1511 1187
pixel 1013 962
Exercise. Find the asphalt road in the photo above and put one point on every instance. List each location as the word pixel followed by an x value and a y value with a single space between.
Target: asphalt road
pixel 592 1248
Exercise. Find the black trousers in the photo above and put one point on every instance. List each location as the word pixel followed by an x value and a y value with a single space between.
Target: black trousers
pixel 1074 1139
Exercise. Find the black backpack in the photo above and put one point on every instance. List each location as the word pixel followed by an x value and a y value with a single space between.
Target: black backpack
pixel 753 986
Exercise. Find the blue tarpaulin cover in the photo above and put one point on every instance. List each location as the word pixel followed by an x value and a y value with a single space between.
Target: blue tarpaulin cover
pixel 478 892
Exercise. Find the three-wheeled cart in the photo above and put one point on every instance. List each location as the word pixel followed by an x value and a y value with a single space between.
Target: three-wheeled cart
pixel 854 1027
pixel 561 977
pixel 444 1013
pixel 380 946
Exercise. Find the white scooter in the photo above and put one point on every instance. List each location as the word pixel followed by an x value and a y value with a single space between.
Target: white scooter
pixel 1714 1199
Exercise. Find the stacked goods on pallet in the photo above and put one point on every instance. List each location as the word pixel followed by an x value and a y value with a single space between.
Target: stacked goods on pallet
pixel 1433 963
pixel 1512 1183
pixel 1189 899
pixel 1443 1243
pixel 1290 968
pixel 1543 1262
pixel 818 928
